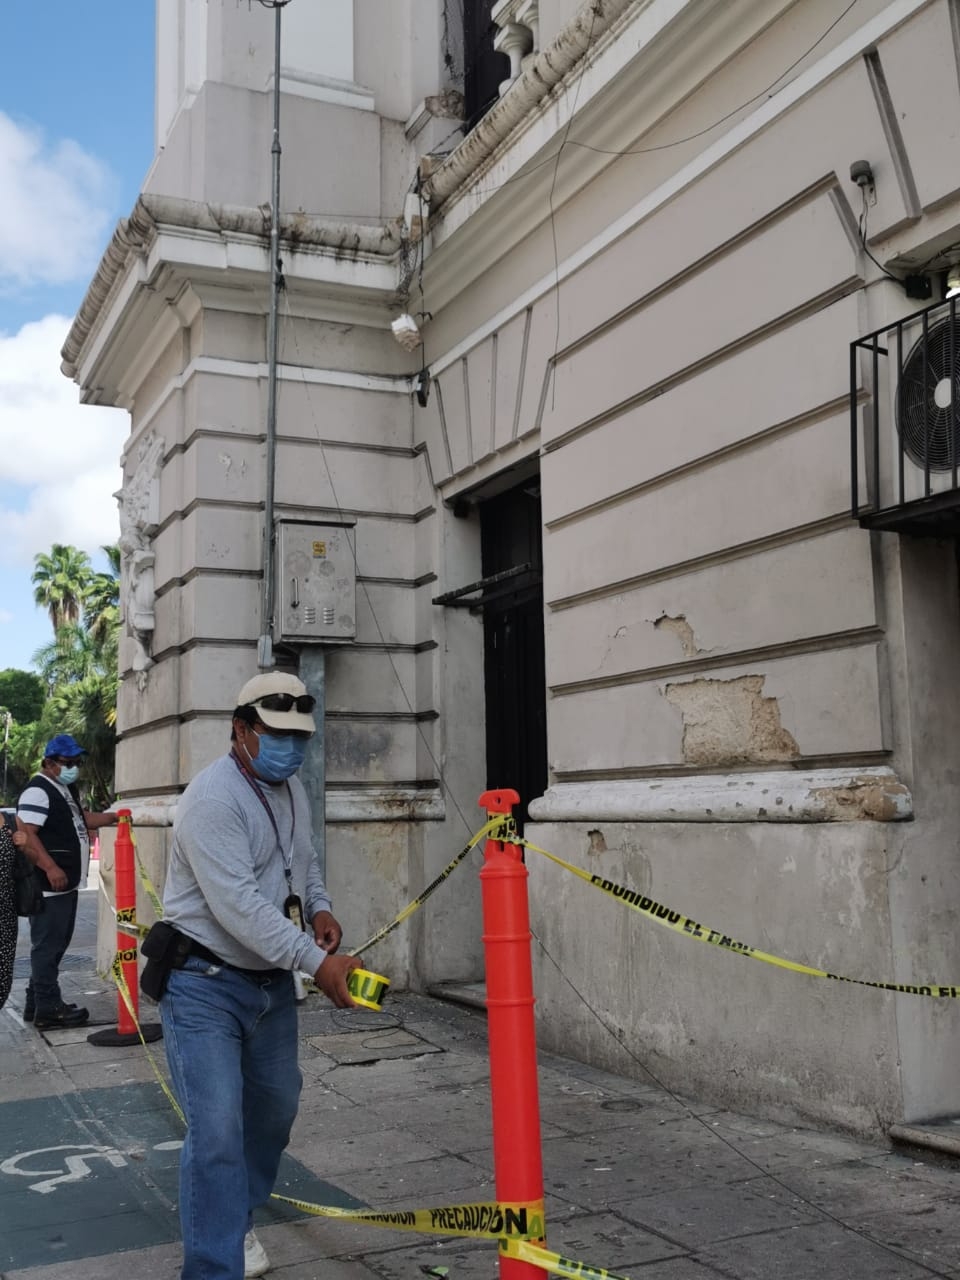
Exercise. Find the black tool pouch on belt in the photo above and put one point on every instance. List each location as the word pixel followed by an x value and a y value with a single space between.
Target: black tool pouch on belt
pixel 165 948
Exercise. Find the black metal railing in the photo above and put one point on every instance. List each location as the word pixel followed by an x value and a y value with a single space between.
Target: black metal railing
pixel 905 424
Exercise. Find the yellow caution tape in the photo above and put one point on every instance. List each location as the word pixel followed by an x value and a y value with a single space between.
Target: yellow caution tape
pixel 127 922
pixel 488 827
pixel 691 928
pixel 366 988
pixel 145 881
pixel 118 975
pixel 526 1251
pixel 485 1220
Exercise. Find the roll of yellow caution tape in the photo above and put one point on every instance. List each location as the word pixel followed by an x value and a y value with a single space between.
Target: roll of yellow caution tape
pixel 366 988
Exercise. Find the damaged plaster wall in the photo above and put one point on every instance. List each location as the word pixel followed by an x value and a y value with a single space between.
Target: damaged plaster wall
pixel 728 722
pixel 682 629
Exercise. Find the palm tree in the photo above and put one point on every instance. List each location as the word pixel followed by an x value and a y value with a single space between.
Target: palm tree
pixel 101 604
pixel 61 581
pixel 80 669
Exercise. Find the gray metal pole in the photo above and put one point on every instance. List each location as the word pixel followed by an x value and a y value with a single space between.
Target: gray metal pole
pixel 265 645
pixel 313 775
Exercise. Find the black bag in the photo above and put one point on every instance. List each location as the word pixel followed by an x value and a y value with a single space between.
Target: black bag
pixel 27 887
pixel 165 948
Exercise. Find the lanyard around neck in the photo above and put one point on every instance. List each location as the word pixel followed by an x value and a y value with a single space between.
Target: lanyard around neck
pixel 286 858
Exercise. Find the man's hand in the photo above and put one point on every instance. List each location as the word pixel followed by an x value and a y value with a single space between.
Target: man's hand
pixel 331 978
pixel 56 876
pixel 326 932
pixel 26 838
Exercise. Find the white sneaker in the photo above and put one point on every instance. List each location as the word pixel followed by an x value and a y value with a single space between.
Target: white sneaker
pixel 255 1260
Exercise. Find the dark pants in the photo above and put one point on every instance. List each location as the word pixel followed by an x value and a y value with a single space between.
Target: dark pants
pixel 50 935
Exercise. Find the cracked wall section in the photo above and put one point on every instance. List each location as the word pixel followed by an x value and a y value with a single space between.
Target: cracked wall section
pixel 729 722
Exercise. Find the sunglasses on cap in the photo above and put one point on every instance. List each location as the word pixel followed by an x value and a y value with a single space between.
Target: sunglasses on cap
pixel 286 702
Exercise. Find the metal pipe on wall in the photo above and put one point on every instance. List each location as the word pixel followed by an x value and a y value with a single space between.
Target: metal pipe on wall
pixel 265 657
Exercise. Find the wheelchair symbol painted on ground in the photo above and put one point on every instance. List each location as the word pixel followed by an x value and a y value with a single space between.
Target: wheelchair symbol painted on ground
pixel 72 1167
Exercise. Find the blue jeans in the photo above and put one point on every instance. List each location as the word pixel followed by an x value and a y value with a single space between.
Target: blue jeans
pixel 51 932
pixel 231 1044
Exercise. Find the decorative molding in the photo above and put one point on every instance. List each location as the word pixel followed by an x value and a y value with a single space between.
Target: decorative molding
pixel 158 811
pixel 493 153
pixel 239 237
pixel 446 105
pixel 139 503
pixel 341 93
pixel 385 804
pixel 361 804
pixel 819 795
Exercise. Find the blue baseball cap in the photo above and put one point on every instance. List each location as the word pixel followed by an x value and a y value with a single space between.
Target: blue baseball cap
pixel 63 745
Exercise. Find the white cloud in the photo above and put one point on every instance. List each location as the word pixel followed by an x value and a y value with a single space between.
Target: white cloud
pixel 59 460
pixel 55 207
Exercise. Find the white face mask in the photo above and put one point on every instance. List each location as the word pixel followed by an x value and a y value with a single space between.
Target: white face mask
pixel 68 774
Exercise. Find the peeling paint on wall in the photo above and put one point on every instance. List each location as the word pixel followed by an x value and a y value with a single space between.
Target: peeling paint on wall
pixel 728 722
pixel 682 629
pixel 597 842
pixel 865 799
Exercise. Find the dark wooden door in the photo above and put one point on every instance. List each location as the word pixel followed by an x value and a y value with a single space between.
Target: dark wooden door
pixel 515 677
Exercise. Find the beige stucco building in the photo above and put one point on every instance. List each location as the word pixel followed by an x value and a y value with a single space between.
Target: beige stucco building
pixel 642 269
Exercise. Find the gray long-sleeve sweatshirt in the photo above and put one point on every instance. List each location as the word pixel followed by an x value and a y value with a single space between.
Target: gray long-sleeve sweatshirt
pixel 225 884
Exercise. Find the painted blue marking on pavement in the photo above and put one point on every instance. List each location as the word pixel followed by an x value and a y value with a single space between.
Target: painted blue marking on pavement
pixel 95 1172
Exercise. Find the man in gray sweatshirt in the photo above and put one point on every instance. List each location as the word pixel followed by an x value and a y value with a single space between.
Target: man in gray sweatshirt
pixel 244 890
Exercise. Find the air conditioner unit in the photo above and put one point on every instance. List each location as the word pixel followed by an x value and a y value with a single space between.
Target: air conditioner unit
pixel 909 433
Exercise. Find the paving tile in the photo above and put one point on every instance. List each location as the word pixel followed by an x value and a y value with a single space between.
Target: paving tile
pixel 809 1252
pixel 697 1216
pixel 465 1259
pixel 364 1150
pixel 374 1045
pixel 853 1190
pixel 610 1241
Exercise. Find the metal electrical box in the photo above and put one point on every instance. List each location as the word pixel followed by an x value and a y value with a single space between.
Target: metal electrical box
pixel 316 583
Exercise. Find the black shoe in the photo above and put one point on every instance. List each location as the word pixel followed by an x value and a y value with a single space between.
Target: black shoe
pixel 61 1015
pixel 30 1008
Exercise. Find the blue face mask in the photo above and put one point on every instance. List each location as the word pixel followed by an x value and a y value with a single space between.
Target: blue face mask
pixel 279 757
pixel 69 774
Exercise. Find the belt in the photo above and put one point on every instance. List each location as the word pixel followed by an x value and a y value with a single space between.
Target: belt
pixel 255 975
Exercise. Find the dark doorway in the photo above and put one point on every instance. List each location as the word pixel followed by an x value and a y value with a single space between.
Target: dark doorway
pixel 514 671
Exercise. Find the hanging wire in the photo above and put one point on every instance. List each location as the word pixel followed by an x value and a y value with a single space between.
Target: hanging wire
pixel 862 228
pixel 677 142
pixel 341 514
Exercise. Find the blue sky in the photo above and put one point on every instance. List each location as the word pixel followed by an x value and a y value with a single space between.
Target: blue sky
pixel 76 141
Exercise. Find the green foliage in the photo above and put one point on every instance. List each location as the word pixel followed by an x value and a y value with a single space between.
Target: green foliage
pixel 22 694
pixel 78 673
pixel 60 583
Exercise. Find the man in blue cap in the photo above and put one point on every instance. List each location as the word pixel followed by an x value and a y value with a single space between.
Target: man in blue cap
pixel 57 827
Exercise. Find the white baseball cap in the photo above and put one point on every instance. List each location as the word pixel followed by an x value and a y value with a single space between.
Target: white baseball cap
pixel 280 700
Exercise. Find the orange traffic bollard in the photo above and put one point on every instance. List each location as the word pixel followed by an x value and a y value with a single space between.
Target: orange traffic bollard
pixel 126 906
pixel 517 1159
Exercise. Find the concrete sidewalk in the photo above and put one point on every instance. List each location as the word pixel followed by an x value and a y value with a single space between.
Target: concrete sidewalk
pixel 396 1114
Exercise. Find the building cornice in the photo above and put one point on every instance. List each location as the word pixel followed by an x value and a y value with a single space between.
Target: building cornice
pixel 870 794
pixel 612 116
pixel 529 89
pixel 216 235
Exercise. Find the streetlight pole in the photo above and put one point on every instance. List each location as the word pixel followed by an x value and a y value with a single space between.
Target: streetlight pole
pixel 265 659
